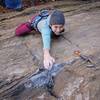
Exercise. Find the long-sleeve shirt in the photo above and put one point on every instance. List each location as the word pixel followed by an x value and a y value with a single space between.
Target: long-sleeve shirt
pixel 45 30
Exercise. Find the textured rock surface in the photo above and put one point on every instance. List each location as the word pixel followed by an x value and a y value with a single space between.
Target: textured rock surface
pixel 21 56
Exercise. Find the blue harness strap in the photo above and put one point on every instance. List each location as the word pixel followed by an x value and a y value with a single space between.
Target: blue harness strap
pixel 43 14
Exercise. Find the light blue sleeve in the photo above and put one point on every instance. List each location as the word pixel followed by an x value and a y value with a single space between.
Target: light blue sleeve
pixel 46 37
pixel 44 29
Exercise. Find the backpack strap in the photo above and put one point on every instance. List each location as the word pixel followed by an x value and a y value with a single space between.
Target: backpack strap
pixel 38 18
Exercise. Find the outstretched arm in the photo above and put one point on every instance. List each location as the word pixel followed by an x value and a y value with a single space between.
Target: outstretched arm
pixel 48 59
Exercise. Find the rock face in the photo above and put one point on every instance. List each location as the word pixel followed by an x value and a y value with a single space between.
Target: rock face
pixel 21 56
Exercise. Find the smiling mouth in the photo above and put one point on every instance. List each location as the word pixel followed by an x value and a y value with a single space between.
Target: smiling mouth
pixel 57 33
